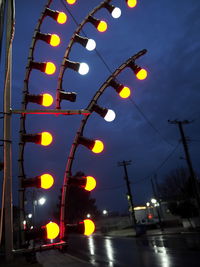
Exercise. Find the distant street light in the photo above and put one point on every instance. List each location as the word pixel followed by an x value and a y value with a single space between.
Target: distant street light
pixel 153 201
pixel 105 212
pixel 30 215
pixel 88 215
pixel 41 201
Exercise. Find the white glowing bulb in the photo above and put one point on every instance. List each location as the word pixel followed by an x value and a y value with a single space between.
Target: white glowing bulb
pixel 91 45
pixel 116 13
pixel 83 69
pixel 110 115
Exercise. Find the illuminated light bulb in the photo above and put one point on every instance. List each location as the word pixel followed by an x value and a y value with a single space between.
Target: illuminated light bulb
pixel 98 146
pixel 83 68
pixel 90 183
pixel 116 13
pixel 141 74
pixel 46 138
pixel 53 230
pixel 131 3
pixel 125 92
pixel 50 68
pixel 71 2
pixel 110 116
pixel 102 26
pixel 54 40
pixel 46 181
pixel 62 18
pixel 89 227
pixel 91 45
pixel 47 100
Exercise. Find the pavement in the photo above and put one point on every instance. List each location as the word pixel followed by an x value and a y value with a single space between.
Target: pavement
pixel 54 258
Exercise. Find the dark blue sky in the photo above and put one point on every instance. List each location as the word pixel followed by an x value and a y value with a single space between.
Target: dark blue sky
pixel 169 30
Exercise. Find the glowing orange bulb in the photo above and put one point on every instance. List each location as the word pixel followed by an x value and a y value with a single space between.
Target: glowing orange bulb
pixel 131 3
pixel 62 18
pixel 53 230
pixel 46 181
pixel 47 100
pixel 50 68
pixel 89 227
pixel 55 40
pixel 141 74
pixel 90 184
pixel 102 26
pixel 98 146
pixel 125 92
pixel 46 139
pixel 71 2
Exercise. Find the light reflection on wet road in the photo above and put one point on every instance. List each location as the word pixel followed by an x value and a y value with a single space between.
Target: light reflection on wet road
pixel 155 251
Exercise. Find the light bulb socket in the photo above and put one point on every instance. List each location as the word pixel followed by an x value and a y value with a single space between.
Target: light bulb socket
pixel 32 182
pixel 109 7
pixel 34 98
pixel 70 96
pixel 51 13
pixel 134 67
pixel 101 111
pixel 46 37
pixel 38 65
pixel 117 86
pixel 81 40
pixel 32 138
pixel 72 65
pixel 86 142
pixel 94 21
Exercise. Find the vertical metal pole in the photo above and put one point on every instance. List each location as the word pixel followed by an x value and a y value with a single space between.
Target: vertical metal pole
pixel 7 140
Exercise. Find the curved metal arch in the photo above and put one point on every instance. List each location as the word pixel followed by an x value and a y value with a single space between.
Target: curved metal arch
pixel 69 47
pixel 25 91
pixel 65 187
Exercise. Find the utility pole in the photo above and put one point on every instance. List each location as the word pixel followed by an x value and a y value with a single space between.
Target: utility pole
pixel 129 194
pixel 189 162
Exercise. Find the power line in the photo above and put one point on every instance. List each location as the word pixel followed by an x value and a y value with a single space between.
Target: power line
pixel 149 122
pixel 159 166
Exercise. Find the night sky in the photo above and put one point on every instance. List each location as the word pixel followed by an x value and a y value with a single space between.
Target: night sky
pixel 169 30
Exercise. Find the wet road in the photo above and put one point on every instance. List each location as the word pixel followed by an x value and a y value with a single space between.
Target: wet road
pixel 155 251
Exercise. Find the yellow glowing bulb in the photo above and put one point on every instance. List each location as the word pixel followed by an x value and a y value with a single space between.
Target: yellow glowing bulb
pixel 90 184
pixel 46 181
pixel 62 18
pixel 46 138
pixel 141 74
pixel 50 68
pixel 131 3
pixel 53 230
pixel 71 2
pixel 89 227
pixel 102 26
pixel 98 146
pixel 55 40
pixel 125 92
pixel 47 100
